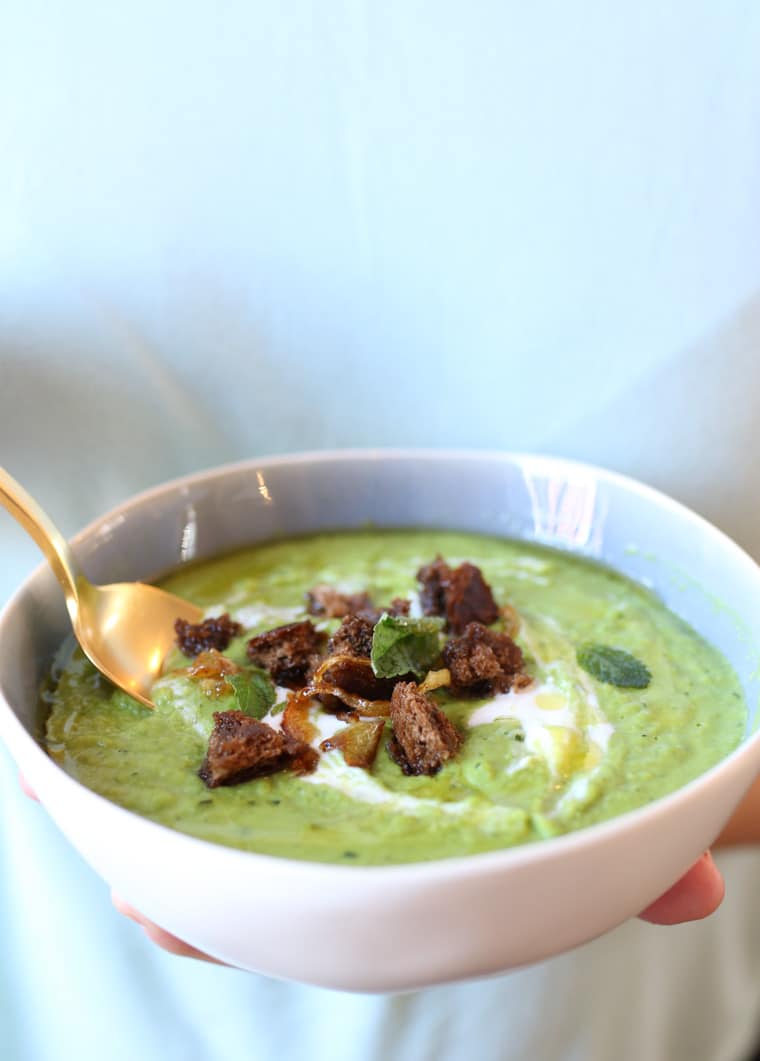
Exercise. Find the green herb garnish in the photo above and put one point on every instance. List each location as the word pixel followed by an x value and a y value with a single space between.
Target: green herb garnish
pixel 254 691
pixel 613 666
pixel 401 645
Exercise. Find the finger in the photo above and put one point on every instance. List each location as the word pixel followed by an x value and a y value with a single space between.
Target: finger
pixel 165 940
pixel 26 788
pixel 172 945
pixel 124 908
pixel 696 895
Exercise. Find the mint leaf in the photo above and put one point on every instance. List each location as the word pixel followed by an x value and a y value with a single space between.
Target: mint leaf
pixel 613 666
pixel 401 645
pixel 254 691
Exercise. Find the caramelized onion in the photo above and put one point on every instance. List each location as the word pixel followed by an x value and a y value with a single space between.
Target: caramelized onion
pixel 436 679
pixel 210 670
pixel 321 685
pixel 358 742
pixel 295 719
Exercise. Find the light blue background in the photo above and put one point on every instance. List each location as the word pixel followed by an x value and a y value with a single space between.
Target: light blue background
pixel 237 228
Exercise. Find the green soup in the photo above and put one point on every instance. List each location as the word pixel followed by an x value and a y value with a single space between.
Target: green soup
pixel 558 755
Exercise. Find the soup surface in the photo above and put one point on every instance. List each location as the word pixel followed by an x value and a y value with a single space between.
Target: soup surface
pixel 560 753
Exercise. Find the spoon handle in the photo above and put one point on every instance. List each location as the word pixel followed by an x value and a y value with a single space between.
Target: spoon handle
pixel 40 527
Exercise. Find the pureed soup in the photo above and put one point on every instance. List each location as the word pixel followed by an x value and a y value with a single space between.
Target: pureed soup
pixel 509 693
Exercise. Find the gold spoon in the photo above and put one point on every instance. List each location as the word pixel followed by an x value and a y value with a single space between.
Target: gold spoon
pixel 125 629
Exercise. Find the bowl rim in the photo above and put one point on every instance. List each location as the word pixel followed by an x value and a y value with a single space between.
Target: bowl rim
pixel 519 855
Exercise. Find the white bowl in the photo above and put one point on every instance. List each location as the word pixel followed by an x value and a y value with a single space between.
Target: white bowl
pixel 396 927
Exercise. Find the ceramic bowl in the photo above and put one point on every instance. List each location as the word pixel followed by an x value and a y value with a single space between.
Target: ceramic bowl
pixel 396 927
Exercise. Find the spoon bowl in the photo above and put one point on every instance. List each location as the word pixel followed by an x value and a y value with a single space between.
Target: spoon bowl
pixel 125 629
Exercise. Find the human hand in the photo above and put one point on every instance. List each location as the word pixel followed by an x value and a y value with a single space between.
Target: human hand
pixel 165 940
pixel 696 895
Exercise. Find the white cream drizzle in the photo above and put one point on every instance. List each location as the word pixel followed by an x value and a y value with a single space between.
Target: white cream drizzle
pixel 273 717
pixel 415 607
pixel 360 785
pixel 326 725
pixel 599 733
pixel 183 700
pixel 251 615
pixel 552 732
pixel 68 724
pixel 537 705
